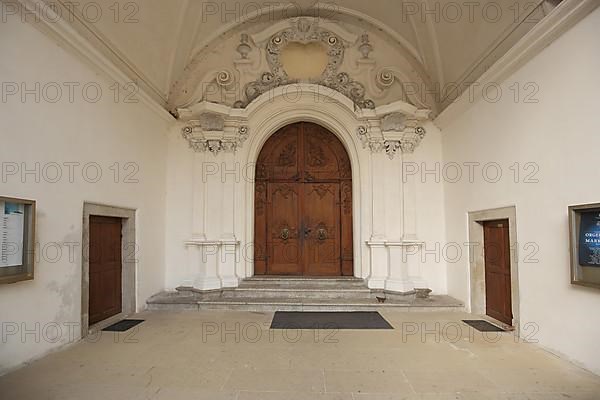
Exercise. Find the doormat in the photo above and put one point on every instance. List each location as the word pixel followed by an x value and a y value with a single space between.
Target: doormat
pixel 482 326
pixel 329 320
pixel 123 325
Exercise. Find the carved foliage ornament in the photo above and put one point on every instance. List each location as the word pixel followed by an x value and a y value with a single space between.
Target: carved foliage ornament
pixel 304 30
pixel 208 134
pixel 407 142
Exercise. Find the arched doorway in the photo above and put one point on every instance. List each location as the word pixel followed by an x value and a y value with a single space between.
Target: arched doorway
pixel 303 204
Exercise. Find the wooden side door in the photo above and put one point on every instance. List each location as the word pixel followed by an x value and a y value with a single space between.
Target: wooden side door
pixel 497 270
pixel 105 268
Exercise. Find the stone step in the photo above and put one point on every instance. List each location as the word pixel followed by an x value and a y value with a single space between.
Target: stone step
pixel 178 301
pixel 314 291
pixel 299 282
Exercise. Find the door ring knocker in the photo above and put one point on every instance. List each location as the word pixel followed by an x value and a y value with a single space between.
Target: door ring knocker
pixel 322 234
pixel 285 234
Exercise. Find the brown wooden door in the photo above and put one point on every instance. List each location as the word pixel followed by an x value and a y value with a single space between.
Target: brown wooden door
pixel 303 204
pixel 497 270
pixel 105 268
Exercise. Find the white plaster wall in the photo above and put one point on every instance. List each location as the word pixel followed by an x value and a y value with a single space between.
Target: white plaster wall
pixel 179 207
pixel 559 134
pixel 431 221
pixel 429 197
pixel 105 132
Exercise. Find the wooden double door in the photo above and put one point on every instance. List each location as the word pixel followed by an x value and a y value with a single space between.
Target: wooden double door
pixel 303 204
pixel 498 290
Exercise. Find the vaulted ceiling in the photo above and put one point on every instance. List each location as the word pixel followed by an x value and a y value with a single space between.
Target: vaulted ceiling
pixel 154 41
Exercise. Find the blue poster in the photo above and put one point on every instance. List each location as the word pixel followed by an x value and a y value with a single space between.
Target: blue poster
pixel 589 239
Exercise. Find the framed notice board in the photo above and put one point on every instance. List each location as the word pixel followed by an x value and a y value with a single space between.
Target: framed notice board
pixel 584 227
pixel 17 239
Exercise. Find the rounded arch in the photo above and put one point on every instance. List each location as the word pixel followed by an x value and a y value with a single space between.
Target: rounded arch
pixel 303 204
pixel 312 103
pixel 320 146
pixel 286 105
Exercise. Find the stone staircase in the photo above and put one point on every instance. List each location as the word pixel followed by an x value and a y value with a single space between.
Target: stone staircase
pixel 299 294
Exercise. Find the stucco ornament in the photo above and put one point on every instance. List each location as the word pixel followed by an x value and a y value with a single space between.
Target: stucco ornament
pixel 411 138
pixel 391 129
pixel 244 47
pixel 399 133
pixel 209 133
pixel 307 30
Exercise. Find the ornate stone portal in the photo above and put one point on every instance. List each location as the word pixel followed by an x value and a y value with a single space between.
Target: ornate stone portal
pixel 227 134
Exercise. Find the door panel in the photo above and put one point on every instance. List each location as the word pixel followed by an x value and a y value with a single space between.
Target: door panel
pixel 283 242
pixel 260 228
pixel 280 159
pixel 321 214
pixel 303 204
pixel 347 251
pixel 497 270
pixel 105 268
pixel 325 158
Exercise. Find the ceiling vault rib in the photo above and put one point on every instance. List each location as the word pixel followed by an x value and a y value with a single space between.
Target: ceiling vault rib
pixel 178 39
pixel 490 50
pixel 564 16
pixel 108 46
pixel 411 55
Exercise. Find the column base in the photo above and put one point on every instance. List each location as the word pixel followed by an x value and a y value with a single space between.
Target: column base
pixel 207 283
pixel 230 281
pixel 418 282
pixel 376 283
pixel 399 285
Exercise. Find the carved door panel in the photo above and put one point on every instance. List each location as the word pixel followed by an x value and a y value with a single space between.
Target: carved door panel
pixel 303 204
pixel 325 158
pixel 283 241
pixel 347 250
pixel 260 227
pixel 280 158
pixel 321 224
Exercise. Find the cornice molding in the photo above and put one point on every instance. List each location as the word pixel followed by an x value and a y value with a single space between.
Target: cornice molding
pixel 56 27
pixel 558 21
pixel 393 128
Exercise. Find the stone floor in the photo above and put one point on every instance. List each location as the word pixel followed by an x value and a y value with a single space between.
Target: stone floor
pixel 233 355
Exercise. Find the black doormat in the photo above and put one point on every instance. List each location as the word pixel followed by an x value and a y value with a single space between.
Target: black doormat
pixel 123 325
pixel 482 326
pixel 329 320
